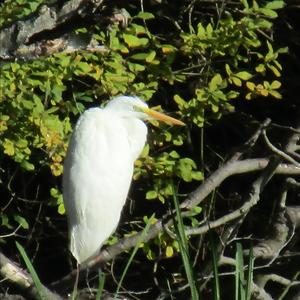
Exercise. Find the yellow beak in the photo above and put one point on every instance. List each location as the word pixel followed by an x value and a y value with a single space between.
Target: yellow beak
pixel 161 117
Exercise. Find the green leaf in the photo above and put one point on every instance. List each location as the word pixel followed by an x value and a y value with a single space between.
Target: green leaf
pixel 245 3
pixel 228 70
pixel 5 221
pixel 85 67
pixel 201 32
pixel 277 4
pixel 132 41
pixel 275 84
pixel 61 209
pixel 197 175
pixel 274 70
pixel 26 165
pixel 9 148
pixel 275 94
pixel 150 57
pixel 139 56
pixel 260 68
pixel 243 75
pixel 151 195
pixel 144 15
pixel 22 221
pixel 174 154
pixel 169 251
pixel 269 13
pixel 180 101
pixel 236 81
pixel 215 82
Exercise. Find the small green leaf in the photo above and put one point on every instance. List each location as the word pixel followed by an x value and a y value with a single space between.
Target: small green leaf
pixel 250 85
pixel 169 251
pixel 61 209
pixel 180 101
pixel 22 221
pixel 277 4
pixel 197 175
pixel 174 154
pixel 269 13
pixel 150 57
pixel 274 70
pixel 5 221
pixel 144 15
pixel 228 70
pixel 275 84
pixel 85 67
pixel 139 56
pixel 236 81
pixel 243 75
pixel 26 165
pixel 215 82
pixel 132 41
pixel 9 148
pixel 260 68
pixel 275 94
pixel 151 195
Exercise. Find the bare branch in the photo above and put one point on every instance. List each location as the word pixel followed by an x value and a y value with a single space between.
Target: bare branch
pixel 11 272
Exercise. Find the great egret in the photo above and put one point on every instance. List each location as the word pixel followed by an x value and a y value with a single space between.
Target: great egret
pixel 98 169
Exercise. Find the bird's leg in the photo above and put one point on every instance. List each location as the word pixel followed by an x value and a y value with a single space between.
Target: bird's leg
pixel 74 293
pixel 87 280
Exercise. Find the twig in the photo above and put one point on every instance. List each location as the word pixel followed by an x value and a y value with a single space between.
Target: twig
pixel 279 152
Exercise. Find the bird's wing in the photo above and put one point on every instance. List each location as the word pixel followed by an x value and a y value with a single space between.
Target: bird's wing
pixel 97 174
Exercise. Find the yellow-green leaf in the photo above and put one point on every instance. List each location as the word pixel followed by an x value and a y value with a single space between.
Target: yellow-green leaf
pixel 151 57
pixel 275 84
pixel 215 82
pixel 9 148
pixel 144 15
pixel 236 81
pixel 151 195
pixel 169 251
pixel 243 75
pixel 61 209
pixel 250 85
pixel 275 94
pixel 131 40
pixel 260 68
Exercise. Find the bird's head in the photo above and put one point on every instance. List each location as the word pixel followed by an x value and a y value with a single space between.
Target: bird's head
pixel 135 106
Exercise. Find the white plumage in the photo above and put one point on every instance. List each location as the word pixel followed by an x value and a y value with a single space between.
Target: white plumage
pixel 98 169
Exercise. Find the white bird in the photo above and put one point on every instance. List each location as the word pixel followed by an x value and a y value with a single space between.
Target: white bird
pixel 98 169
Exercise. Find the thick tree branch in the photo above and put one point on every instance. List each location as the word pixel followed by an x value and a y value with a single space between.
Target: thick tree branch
pixel 228 169
pixel 14 274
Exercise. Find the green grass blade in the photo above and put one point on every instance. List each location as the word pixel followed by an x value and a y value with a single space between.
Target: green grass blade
pixel 250 274
pixel 239 280
pixel 183 246
pixel 140 240
pixel 217 295
pixel 101 285
pixel 32 272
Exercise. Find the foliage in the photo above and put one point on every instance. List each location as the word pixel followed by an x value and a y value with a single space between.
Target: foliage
pixel 12 10
pixel 220 61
